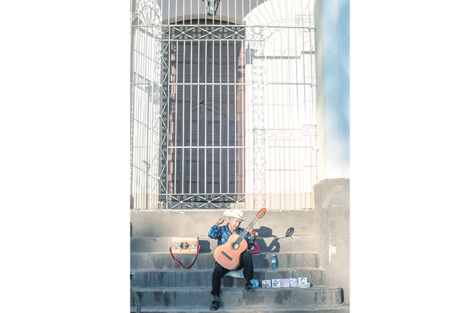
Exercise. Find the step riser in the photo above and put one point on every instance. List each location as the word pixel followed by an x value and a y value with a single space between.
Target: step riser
pixel 197 223
pixel 206 261
pixel 275 297
pixel 203 279
pixel 268 244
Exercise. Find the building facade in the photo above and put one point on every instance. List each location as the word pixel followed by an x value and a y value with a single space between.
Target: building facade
pixel 230 110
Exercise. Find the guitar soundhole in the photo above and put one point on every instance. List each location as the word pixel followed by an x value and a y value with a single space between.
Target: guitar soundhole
pixel 235 246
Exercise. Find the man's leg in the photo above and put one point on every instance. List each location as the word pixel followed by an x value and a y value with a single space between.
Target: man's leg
pixel 217 275
pixel 246 261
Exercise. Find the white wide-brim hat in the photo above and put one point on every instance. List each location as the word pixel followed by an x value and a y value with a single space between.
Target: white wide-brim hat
pixel 235 214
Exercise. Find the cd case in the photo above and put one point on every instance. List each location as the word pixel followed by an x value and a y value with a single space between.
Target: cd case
pixel 303 280
pixel 266 283
pixel 285 283
pixel 276 283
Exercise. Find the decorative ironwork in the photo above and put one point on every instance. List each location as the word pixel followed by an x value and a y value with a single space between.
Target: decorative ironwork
pixel 203 201
pixel 212 32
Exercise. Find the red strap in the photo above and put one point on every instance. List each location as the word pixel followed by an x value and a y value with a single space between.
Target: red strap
pixel 179 263
pixel 256 248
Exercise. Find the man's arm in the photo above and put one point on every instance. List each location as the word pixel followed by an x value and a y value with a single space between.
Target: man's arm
pixel 216 232
pixel 250 239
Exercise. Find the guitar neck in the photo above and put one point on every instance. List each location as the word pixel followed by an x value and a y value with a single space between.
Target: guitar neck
pixel 242 235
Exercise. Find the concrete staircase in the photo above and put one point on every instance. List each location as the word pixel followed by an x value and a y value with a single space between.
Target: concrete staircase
pixel 164 286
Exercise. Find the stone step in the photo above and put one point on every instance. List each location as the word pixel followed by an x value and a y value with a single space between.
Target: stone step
pixel 193 278
pixel 205 260
pixel 266 244
pixel 343 308
pixel 161 223
pixel 239 297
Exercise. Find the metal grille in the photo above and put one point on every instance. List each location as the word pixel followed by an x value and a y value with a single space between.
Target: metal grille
pixel 222 108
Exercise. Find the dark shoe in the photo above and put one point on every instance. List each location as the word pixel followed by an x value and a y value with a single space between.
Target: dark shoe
pixel 249 287
pixel 215 305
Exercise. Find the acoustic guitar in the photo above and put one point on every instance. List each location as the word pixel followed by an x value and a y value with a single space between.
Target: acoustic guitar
pixel 228 254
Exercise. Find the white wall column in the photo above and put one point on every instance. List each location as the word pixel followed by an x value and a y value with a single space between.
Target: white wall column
pixel 332 72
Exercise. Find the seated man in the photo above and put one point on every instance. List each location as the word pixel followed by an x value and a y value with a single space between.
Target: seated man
pixel 246 260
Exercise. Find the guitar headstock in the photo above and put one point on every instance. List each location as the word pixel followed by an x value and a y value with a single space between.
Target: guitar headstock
pixel 261 213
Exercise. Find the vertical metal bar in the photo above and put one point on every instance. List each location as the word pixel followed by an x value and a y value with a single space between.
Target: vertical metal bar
pixel 255 106
pixel 299 122
pixel 151 115
pixel 305 99
pixel 191 113
pixel 271 179
pixel 145 123
pixel 137 115
pixel 205 115
pixel 135 112
pixel 228 115
pixel 147 120
pixel 175 182
pixel 220 112
pixel 139 126
pixel 280 124
pixel 131 113
pixel 213 109
pixel 235 149
pixel 183 134
pixel 242 143
pixel 205 19
pixel 228 119
pixel 141 135
pixel 291 118
pixel 312 113
pixel 197 118
pixel 252 191
pixel 183 174
pixel 283 173
pixel 235 110
pixel 168 79
pixel 198 178
pixel 229 169
pixel 134 119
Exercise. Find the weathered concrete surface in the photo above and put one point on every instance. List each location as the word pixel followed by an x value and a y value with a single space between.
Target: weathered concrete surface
pixel 331 228
pixel 163 260
pixel 203 278
pixel 266 244
pixel 238 297
pixel 198 223
pixel 344 308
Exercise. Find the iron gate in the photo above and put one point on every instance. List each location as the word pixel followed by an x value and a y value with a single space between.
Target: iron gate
pixel 222 108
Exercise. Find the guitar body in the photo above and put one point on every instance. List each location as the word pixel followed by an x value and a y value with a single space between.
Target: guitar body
pixel 228 255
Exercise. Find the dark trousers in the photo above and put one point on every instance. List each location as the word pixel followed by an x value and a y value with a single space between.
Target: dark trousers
pixel 246 262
